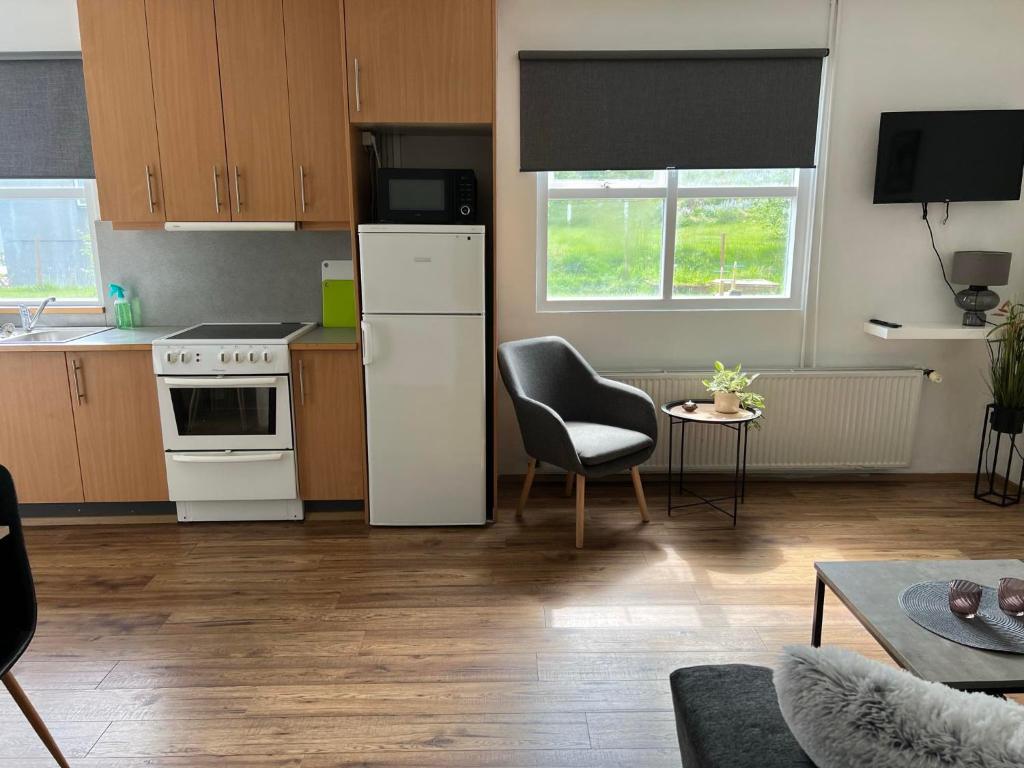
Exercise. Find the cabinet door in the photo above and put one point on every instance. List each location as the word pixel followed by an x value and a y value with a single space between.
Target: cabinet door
pixel 37 430
pixel 254 89
pixel 113 395
pixel 119 90
pixel 186 83
pixel 316 98
pixel 328 396
pixel 411 61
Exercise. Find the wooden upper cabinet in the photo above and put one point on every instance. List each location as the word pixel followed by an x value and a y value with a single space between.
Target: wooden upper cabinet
pixel 254 90
pixel 119 90
pixel 113 395
pixel 316 99
pixel 37 430
pixel 186 83
pixel 327 390
pixel 411 61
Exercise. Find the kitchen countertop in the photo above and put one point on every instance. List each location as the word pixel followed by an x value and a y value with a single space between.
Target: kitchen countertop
pixel 142 339
pixel 112 339
pixel 321 338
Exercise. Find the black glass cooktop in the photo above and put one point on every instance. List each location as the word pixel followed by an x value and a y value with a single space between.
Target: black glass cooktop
pixel 239 332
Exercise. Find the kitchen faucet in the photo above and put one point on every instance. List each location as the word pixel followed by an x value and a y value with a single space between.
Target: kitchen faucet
pixel 28 320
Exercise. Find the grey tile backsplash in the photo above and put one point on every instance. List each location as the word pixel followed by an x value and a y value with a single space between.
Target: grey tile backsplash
pixel 181 278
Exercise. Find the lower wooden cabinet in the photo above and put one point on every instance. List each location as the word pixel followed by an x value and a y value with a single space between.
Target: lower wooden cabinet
pixel 328 395
pixel 117 422
pixel 37 428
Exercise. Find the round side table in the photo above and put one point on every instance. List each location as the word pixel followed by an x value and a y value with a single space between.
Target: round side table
pixel 706 414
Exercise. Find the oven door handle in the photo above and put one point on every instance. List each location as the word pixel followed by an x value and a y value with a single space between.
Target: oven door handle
pixel 229 382
pixel 225 458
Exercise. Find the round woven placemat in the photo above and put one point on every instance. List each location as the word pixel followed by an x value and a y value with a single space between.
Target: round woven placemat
pixel 927 604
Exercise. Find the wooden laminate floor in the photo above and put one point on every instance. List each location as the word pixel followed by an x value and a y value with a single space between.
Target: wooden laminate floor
pixel 328 644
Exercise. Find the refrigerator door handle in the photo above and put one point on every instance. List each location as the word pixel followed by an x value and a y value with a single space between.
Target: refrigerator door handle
pixel 367 342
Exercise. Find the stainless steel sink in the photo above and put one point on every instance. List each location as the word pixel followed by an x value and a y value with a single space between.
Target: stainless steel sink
pixel 51 335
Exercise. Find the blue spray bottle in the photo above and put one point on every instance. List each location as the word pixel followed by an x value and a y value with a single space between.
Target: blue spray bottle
pixel 122 309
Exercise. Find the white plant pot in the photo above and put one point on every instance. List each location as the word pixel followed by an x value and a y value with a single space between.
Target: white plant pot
pixel 727 402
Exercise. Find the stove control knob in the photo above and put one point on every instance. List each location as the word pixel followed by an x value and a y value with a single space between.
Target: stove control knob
pixel 238 356
pixel 224 356
pixel 171 356
pixel 253 357
pixel 186 357
pixel 267 357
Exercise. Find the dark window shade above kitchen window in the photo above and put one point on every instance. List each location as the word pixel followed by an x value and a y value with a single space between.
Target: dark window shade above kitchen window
pixel 44 126
pixel 624 110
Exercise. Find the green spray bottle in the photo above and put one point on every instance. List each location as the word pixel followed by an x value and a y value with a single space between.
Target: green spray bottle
pixel 122 308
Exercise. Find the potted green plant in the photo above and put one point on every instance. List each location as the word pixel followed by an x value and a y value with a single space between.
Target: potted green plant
pixel 729 386
pixel 1006 369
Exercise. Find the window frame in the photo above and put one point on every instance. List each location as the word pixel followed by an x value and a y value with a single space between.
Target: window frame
pixel 88 192
pixel 794 293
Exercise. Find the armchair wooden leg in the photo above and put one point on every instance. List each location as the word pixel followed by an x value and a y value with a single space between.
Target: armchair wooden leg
pixel 531 468
pixel 638 487
pixel 34 719
pixel 581 495
pixel 569 478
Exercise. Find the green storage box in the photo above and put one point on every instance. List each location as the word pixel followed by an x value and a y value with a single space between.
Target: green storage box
pixel 339 291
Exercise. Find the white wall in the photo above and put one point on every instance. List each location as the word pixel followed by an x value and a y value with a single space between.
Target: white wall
pixel 39 25
pixel 875 260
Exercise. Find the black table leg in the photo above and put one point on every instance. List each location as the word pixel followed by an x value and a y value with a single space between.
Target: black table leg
pixel 736 477
pixel 819 610
pixel 682 457
pixel 671 429
pixel 746 439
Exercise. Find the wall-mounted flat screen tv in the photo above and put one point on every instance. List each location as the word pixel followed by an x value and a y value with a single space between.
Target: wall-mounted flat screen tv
pixel 935 157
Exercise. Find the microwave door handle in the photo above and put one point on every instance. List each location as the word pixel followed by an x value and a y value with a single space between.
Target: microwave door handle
pixel 224 458
pixel 232 382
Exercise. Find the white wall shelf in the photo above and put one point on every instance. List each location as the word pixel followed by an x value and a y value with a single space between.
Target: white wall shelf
pixel 925 331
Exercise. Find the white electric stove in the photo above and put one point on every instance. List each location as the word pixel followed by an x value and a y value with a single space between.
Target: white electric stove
pixel 226 414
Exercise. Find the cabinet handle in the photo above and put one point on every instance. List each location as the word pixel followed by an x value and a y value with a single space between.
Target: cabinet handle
pixel 216 188
pixel 302 187
pixel 149 189
pixel 302 383
pixel 76 368
pixel 359 100
pixel 238 194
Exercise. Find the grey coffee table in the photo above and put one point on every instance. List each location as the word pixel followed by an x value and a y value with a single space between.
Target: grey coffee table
pixel 871 591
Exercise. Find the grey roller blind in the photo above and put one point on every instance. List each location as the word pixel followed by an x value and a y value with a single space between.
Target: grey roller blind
pixel 622 110
pixel 44 126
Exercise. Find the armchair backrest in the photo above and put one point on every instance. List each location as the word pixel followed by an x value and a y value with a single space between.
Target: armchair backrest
pixel 547 369
pixel 17 593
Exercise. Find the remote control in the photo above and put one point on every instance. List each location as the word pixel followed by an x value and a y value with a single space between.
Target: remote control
pixel 885 323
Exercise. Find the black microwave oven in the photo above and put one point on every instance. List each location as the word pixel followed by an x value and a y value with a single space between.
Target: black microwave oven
pixel 425 196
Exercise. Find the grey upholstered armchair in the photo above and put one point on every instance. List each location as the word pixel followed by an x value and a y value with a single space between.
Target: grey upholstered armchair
pixel 574 419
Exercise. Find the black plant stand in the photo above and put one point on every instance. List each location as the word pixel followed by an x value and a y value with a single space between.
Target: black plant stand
pixel 705 414
pixel 992 445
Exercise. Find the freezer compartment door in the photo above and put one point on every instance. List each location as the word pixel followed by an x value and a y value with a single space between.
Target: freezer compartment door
pixel 425 415
pixel 416 273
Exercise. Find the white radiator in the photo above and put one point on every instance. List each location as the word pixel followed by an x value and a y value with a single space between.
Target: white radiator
pixel 816 419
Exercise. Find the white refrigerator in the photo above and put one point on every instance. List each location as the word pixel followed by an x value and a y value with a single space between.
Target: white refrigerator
pixel 424 357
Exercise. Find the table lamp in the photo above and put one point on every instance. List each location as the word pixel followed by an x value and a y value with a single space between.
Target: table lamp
pixel 978 270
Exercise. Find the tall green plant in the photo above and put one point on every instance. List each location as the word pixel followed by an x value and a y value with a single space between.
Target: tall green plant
pixel 1006 357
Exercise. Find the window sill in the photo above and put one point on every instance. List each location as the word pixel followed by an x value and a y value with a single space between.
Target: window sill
pixel 656 306
pixel 63 309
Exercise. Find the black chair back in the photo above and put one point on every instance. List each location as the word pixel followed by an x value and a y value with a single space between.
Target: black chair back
pixel 17 593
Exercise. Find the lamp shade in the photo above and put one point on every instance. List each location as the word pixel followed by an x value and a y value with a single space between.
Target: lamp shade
pixel 981 268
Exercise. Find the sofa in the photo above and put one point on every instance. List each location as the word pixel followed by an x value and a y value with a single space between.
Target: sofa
pixel 728 716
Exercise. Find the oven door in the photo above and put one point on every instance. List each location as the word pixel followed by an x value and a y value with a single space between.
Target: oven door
pixel 216 413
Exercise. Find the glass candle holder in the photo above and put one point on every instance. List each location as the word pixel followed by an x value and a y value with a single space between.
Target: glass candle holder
pixel 964 598
pixel 1011 596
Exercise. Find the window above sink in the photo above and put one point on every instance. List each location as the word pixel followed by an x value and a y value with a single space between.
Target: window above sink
pixel 48 242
